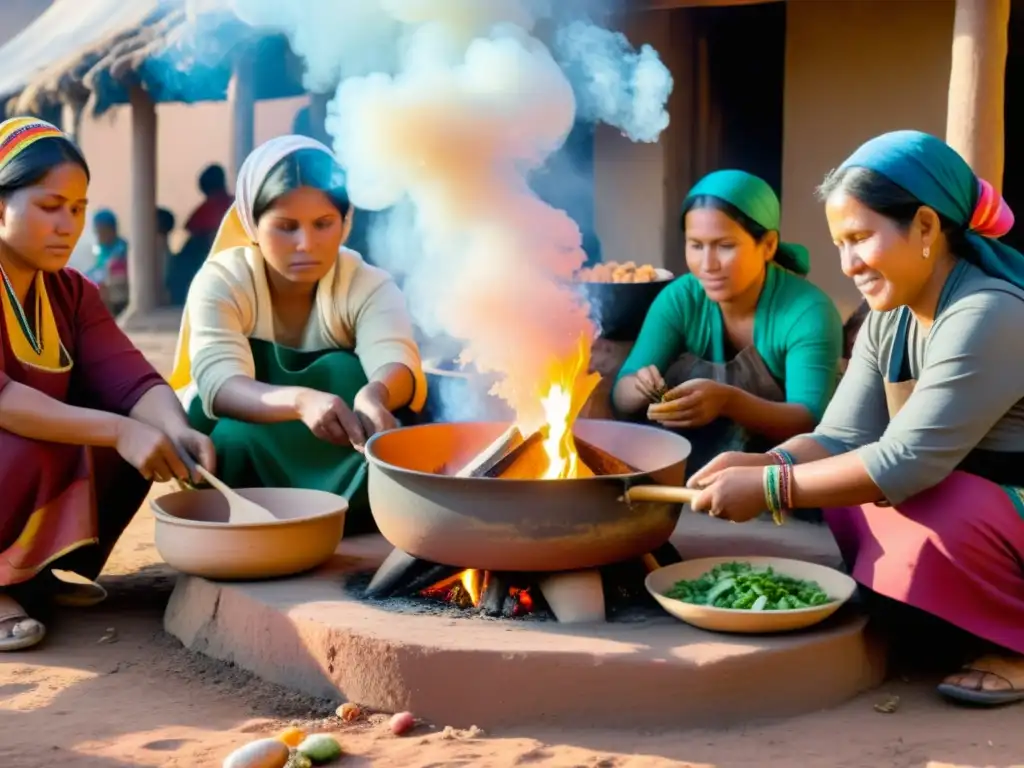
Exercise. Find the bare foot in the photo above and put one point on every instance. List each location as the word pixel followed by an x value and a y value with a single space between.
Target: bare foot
pixel 990 679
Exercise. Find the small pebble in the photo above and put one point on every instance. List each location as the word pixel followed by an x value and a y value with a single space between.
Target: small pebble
pixel 263 753
pixel 298 760
pixel 320 748
pixel 349 712
pixel 401 723
pixel 292 736
pixel 110 636
pixel 889 706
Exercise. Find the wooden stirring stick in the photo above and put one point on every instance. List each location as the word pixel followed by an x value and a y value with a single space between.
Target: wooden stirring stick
pixel 240 509
pixel 665 493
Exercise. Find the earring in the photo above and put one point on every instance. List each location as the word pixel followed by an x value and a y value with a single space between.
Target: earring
pixel 926 252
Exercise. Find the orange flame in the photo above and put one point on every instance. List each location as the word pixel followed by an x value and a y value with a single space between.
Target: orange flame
pixel 471 581
pixel 568 391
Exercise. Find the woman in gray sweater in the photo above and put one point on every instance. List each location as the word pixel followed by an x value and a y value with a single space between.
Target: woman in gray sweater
pixel 918 462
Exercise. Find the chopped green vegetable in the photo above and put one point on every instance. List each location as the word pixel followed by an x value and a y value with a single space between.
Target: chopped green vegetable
pixel 742 587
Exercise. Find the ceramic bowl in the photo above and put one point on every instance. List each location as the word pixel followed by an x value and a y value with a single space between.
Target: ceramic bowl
pixel 838 586
pixel 193 535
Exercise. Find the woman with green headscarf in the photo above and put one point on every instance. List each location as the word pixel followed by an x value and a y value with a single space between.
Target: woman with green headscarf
pixel 742 351
pixel 919 459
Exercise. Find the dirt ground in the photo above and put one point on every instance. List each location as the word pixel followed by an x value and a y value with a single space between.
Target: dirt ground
pixel 108 689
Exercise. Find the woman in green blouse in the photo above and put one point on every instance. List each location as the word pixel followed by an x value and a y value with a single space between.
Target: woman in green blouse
pixel 742 351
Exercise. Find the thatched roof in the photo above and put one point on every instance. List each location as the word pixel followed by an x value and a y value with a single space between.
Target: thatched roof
pixel 175 56
pixel 59 31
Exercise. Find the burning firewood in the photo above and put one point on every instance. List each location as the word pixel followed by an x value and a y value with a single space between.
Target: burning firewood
pixel 528 461
pixel 600 461
pixel 510 457
pixel 485 461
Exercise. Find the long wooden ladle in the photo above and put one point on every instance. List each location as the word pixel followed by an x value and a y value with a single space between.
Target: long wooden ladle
pixel 240 509
pixel 669 494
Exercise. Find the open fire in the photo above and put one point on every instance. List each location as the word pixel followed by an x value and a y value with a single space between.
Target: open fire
pixel 548 451
pixel 481 590
pixel 568 391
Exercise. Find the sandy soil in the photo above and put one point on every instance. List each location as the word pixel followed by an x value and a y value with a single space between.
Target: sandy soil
pixel 109 689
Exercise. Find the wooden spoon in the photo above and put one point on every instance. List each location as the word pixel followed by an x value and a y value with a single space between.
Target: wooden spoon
pixel 240 509
pixel 665 493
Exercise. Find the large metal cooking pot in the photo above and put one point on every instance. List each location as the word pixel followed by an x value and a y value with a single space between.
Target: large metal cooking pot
pixel 193 534
pixel 523 525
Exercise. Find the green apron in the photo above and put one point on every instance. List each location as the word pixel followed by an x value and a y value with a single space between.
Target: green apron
pixel 287 454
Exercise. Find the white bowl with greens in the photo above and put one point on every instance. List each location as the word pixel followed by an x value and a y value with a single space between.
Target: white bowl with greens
pixel 750 595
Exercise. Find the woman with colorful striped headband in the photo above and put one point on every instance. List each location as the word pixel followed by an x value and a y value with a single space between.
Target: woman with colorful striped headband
pixel 919 459
pixel 86 424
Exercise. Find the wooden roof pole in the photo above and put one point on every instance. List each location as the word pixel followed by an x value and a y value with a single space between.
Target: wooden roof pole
pixel 144 279
pixel 242 104
pixel 974 116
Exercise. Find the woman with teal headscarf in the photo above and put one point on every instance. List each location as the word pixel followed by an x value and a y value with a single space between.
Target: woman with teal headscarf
pixel 919 459
pixel 742 351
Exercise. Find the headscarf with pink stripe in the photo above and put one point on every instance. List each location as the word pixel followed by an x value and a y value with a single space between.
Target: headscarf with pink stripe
pixel 934 173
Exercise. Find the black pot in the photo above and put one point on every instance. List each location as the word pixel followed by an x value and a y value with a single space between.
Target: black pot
pixel 619 309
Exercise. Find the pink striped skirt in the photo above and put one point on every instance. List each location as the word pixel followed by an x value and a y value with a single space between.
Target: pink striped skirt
pixel 955 551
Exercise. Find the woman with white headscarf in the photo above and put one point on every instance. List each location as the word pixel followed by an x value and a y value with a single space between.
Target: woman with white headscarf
pixel 293 350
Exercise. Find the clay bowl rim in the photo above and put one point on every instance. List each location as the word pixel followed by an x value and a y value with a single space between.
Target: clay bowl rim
pixel 758 561
pixel 664 276
pixel 375 460
pixel 181 522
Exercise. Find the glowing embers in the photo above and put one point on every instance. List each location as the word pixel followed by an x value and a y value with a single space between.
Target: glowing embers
pixel 614 592
pixel 484 591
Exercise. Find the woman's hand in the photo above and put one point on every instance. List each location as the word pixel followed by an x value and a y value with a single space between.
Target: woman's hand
pixel 329 418
pixel 735 493
pixel 693 403
pixel 724 461
pixel 650 383
pixel 371 409
pixel 197 448
pixel 150 451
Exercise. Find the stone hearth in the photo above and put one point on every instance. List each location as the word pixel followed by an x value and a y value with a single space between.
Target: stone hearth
pixel 311 634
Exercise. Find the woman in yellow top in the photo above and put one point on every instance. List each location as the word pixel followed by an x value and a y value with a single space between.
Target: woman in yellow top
pixel 293 350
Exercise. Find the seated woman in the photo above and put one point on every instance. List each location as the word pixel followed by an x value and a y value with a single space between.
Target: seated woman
pixel 86 424
pixel 293 351
pixel 743 351
pixel 919 459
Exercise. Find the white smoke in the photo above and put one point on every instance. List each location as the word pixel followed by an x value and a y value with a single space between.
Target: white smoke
pixel 616 84
pixel 441 126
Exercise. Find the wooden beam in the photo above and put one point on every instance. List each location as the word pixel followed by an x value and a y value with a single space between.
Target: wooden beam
pixel 144 279
pixel 71 119
pixel 242 103
pixel 977 78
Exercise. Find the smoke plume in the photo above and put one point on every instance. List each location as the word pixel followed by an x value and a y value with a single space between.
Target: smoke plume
pixel 444 109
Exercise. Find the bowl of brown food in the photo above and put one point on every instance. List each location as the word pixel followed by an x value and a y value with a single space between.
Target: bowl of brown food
pixel 619 294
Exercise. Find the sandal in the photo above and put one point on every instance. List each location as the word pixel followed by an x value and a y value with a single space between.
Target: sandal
pixel 984 667
pixel 74 591
pixel 20 631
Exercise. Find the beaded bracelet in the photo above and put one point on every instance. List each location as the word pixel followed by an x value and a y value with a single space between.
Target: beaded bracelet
pixel 781 456
pixel 772 479
pixel 786 473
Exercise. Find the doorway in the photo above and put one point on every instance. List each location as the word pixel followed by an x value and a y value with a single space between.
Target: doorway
pixel 727 111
